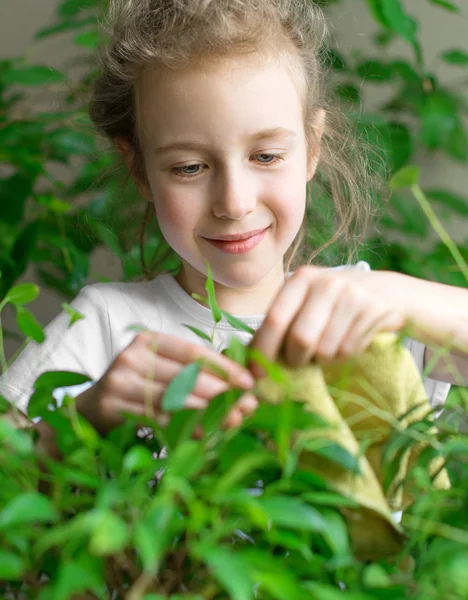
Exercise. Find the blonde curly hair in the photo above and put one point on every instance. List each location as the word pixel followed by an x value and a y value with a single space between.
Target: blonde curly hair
pixel 144 34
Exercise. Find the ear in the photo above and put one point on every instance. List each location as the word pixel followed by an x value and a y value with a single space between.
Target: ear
pixel 126 151
pixel 314 152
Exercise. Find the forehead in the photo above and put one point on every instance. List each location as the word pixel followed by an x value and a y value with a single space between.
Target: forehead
pixel 221 96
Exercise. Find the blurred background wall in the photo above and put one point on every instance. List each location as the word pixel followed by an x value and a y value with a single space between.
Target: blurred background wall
pixel 350 25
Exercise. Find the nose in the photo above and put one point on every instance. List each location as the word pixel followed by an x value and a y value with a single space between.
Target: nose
pixel 235 196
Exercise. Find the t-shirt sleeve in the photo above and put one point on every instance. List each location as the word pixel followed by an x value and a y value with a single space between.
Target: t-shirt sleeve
pixel 437 391
pixel 84 347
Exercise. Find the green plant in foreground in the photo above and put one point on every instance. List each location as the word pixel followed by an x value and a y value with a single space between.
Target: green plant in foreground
pixel 225 516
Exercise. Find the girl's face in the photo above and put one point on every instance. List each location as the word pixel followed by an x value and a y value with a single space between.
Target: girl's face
pixel 225 153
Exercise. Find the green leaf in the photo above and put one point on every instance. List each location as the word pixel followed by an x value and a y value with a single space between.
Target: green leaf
pixel 30 507
pixel 375 7
pixel 22 294
pixel 237 351
pixel 77 575
pixel 67 142
pixel 457 144
pixel 138 459
pixel 209 286
pixel 398 20
pixel 110 534
pixel 406 177
pixel 232 570
pixel 285 511
pixel 237 323
pixel 29 325
pixel 74 314
pixel 70 8
pixel 54 379
pixel 19 442
pixel 455 57
pixel 18 187
pixel 34 75
pixel 375 71
pixel 180 387
pixel 348 92
pixel 336 532
pixel 87 39
pixel 12 567
pixel 446 4
pixel 438 120
pixel 198 332
pixel 334 453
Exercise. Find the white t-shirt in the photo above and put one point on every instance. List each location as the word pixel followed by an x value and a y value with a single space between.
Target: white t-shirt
pixel 91 344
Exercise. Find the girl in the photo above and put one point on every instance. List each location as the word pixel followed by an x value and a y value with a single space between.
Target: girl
pixel 220 111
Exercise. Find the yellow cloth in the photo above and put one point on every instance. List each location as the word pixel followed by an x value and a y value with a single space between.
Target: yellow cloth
pixel 361 397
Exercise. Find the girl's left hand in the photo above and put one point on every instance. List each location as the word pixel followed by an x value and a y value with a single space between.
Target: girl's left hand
pixel 325 313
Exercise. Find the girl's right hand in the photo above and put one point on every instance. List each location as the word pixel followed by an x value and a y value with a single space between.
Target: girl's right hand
pixel 140 374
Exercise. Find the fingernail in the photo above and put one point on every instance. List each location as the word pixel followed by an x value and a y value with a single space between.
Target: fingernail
pixel 246 380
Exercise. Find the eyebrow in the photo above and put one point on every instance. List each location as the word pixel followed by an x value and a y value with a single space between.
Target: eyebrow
pixel 255 137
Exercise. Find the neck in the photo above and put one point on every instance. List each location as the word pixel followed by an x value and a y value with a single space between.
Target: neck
pixel 245 300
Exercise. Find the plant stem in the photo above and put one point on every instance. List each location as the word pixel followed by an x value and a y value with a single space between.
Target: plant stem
pixel 439 229
pixel 3 360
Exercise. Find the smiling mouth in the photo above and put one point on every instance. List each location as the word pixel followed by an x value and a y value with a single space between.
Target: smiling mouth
pixel 236 237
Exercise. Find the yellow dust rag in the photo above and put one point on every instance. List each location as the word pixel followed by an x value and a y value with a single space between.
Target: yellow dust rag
pixel 361 398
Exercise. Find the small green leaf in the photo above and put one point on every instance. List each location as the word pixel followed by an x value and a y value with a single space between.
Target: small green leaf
pixel 29 325
pixel 32 76
pixel 285 511
pixel 237 323
pixel 138 459
pixel 398 20
pixel 54 379
pixel 110 534
pixel 447 4
pixel 375 576
pixel 87 39
pixel 237 351
pixel 74 314
pixel 12 567
pixel 209 286
pixel 406 177
pixel 334 453
pixel 22 294
pixel 30 507
pixel 375 71
pixel 455 57
pixel 180 387
pixel 198 332
pixel 231 569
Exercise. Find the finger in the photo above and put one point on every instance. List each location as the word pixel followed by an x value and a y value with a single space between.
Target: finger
pixel 362 333
pixel 185 352
pixel 353 306
pixel 164 370
pixel 307 329
pixel 269 338
pixel 245 406
pixel 130 387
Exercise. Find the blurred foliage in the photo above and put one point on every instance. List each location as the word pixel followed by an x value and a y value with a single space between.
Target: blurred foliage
pixel 421 116
pixel 241 513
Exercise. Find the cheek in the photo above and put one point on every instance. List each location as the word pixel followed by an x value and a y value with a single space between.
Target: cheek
pixel 176 216
pixel 290 201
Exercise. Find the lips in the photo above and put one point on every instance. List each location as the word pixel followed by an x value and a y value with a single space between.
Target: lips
pixel 235 237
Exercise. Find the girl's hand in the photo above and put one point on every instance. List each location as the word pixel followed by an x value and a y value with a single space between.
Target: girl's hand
pixel 140 374
pixel 326 313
